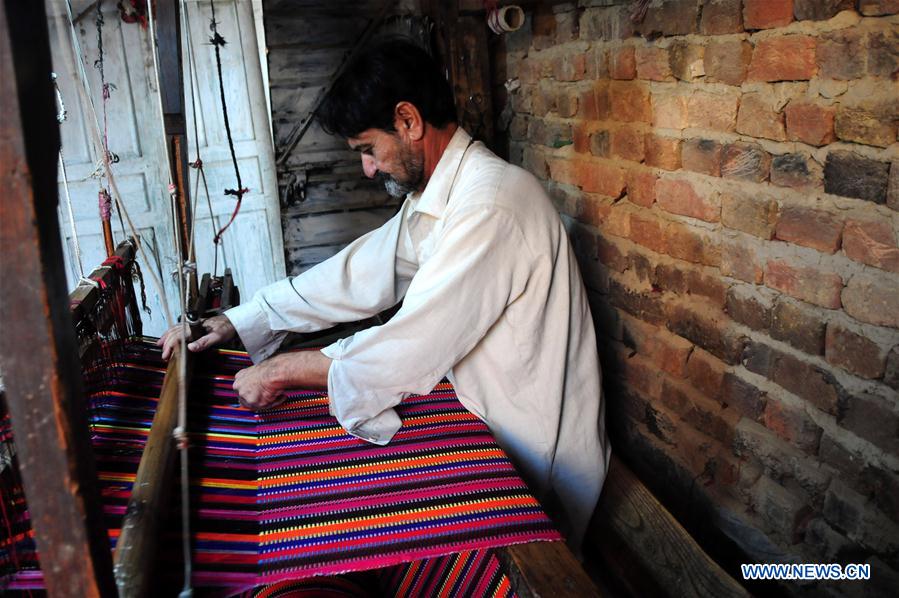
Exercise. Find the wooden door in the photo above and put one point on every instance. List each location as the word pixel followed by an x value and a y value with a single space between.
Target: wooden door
pixel 252 246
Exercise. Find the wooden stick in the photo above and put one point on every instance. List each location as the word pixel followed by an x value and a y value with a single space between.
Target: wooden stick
pixel 38 349
pixel 545 569
pixel 136 547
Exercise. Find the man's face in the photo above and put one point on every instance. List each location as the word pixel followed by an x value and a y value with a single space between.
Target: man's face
pixel 389 159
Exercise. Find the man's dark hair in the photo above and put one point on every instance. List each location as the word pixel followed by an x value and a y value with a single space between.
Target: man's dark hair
pixel 389 72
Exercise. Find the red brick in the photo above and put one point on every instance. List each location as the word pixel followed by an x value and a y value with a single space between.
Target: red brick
pixel 627 143
pixel 793 425
pixel 750 214
pixel 871 125
pixel 679 197
pixel 710 287
pixel 622 64
pixel 841 54
pixel 820 10
pixel 854 352
pixel 883 51
pixel 872 242
pixel 686 60
pixel 667 351
pixel 741 262
pixel 706 373
pixel 706 110
pixel 798 324
pixel 807 381
pixel 600 144
pixel 534 161
pixel 747 305
pixel 810 228
pixel 567 103
pixel 810 123
pixel 648 232
pixel 689 244
pixel 745 161
pixel 594 102
pixel 543 99
pixel 599 177
pixel 805 283
pixel 720 17
pixel 619 221
pixel 788 58
pixel 767 14
pixel 652 63
pixel 641 187
pixel 874 419
pixel 563 170
pixel 727 61
pixel 630 101
pixel 703 156
pixel 876 8
pixel 872 299
pixel 595 210
pixel 704 414
pixel 570 67
pixel 669 111
pixel 797 170
pixel 663 152
pixel 759 117
pixel 707 328
pixel 580 135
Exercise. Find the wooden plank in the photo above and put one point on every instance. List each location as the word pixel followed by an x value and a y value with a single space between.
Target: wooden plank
pixel 37 347
pixel 545 569
pixel 136 547
pixel 629 514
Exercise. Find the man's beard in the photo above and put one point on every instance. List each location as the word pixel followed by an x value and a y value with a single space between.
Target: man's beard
pixel 413 166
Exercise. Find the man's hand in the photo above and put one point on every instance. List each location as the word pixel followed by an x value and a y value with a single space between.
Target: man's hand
pixel 218 330
pixel 262 386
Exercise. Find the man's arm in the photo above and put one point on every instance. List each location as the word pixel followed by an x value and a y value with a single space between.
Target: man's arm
pixel 262 386
pixel 366 277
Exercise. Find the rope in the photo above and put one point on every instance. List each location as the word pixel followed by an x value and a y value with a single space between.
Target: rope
pixel 198 163
pixel 219 42
pixel 87 100
pixel 61 116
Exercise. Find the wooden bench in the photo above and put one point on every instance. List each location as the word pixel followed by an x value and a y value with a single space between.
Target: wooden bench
pixel 645 550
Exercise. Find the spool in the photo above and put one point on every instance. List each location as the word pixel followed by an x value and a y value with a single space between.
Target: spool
pixel 505 19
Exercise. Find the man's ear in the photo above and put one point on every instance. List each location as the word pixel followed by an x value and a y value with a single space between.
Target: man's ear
pixel 408 122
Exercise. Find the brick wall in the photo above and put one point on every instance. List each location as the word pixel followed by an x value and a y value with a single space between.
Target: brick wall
pixel 730 173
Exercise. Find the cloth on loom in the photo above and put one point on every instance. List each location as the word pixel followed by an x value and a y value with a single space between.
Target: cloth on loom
pixel 287 494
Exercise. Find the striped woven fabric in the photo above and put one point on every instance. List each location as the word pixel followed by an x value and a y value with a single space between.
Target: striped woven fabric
pixel 288 494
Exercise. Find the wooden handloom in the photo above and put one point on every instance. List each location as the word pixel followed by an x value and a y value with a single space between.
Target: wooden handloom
pixel 44 383
pixel 40 349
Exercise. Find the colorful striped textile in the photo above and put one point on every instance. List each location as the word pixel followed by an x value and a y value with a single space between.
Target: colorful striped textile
pixel 287 494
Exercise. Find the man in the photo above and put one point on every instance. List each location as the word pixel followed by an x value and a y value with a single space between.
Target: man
pixel 491 294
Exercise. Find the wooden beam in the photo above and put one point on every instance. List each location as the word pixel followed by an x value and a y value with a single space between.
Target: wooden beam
pixel 647 549
pixel 546 569
pixel 462 45
pixel 147 507
pixel 171 89
pixel 38 351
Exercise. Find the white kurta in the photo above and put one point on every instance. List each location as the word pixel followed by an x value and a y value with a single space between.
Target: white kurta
pixel 492 299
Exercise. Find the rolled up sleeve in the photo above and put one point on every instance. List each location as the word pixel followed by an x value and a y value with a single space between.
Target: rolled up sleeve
pixel 454 299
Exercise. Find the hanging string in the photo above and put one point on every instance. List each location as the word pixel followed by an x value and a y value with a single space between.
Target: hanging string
pixel 61 115
pixel 197 164
pixel 94 131
pixel 105 92
pixel 218 43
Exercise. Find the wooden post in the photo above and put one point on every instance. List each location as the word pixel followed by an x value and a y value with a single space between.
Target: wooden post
pixel 38 351
pixel 136 547
pixel 171 78
pixel 462 44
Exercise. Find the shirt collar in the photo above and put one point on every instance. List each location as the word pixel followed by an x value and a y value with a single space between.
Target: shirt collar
pixel 432 200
